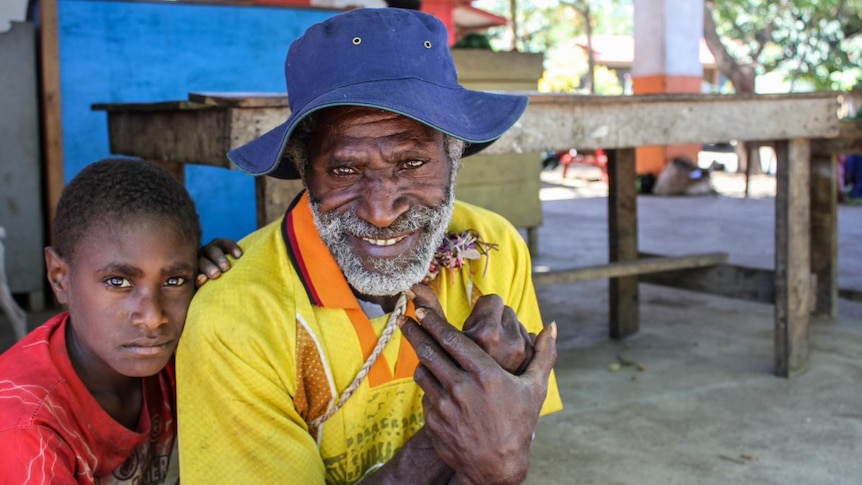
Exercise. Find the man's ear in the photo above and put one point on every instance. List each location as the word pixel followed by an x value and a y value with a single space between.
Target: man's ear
pixel 58 274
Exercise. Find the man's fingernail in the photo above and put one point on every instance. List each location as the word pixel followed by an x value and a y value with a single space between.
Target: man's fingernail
pixel 400 321
pixel 202 278
pixel 554 330
pixel 410 295
pixel 420 313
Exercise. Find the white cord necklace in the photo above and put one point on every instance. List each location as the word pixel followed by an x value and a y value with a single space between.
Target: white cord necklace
pixel 388 331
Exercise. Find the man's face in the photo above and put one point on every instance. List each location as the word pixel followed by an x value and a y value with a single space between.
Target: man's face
pixel 127 289
pixel 381 192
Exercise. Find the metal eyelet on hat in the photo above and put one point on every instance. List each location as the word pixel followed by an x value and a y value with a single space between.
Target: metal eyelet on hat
pixel 357 40
pixel 427 44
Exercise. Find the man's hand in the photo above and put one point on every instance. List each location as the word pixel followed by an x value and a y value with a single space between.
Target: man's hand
pixel 492 325
pixel 212 259
pixel 479 416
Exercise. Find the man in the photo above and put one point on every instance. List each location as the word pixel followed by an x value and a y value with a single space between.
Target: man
pixel 302 364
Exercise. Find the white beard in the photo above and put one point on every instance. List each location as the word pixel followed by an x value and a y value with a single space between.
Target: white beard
pixel 388 276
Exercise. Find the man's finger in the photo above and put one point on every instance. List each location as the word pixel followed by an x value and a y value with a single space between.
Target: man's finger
pixel 431 354
pixel 423 297
pixel 458 346
pixel 545 354
pixel 487 307
pixel 426 380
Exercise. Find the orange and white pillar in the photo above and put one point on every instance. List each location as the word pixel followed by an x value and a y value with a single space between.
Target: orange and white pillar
pixel 667 60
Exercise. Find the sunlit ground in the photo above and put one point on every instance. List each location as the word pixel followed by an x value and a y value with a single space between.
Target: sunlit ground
pixel 585 180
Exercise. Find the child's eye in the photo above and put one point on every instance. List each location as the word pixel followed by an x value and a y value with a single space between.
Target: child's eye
pixel 175 281
pixel 118 282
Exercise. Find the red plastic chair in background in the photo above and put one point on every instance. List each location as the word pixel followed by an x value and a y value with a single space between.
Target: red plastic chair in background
pixel 596 158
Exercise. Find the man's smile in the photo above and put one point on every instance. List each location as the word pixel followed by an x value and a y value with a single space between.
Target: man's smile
pixel 384 242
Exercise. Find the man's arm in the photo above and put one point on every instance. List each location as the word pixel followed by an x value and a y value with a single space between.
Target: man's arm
pixel 416 463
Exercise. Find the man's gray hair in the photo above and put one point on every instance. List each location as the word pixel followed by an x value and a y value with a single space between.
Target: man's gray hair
pixel 297 148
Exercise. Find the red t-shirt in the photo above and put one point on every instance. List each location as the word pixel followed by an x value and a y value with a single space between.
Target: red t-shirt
pixel 53 431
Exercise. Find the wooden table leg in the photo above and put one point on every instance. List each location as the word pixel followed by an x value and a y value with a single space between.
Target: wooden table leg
pixel 622 241
pixel 533 240
pixel 792 256
pixel 176 169
pixel 273 196
pixel 824 232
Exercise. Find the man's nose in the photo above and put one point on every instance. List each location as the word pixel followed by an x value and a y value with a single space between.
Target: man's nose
pixel 383 201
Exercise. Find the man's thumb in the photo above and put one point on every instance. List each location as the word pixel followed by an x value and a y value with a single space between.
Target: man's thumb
pixel 545 352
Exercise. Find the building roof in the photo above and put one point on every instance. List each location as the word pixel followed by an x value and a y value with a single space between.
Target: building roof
pixel 619 50
pixel 470 18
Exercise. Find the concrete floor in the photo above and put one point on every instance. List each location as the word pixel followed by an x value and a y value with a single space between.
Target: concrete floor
pixel 691 398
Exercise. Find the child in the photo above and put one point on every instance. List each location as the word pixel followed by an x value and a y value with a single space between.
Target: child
pixel 88 397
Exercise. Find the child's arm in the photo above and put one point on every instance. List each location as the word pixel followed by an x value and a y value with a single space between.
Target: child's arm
pixel 36 455
pixel 213 261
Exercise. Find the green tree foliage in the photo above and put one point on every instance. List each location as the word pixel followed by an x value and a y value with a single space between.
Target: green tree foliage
pixel 812 43
pixel 551 27
pixel 544 24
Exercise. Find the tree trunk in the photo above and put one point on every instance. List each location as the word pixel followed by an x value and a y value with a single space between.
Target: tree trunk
pixel 742 77
pixel 513 23
pixel 591 58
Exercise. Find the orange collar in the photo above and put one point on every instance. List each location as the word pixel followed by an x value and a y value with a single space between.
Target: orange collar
pixel 327 287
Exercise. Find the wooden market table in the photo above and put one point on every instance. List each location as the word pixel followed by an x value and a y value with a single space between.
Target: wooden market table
pixel 206 126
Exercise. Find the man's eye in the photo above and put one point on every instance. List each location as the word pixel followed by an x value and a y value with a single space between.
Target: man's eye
pixel 118 282
pixel 343 171
pixel 414 163
pixel 175 281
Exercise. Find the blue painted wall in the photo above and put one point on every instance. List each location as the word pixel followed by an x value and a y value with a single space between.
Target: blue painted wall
pixel 127 52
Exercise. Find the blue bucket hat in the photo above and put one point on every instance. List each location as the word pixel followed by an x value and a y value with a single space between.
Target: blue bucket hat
pixel 388 58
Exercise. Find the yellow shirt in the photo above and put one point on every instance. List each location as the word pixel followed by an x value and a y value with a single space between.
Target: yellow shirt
pixel 271 344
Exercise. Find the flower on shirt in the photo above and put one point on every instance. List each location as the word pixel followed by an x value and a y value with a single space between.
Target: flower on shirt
pixel 455 250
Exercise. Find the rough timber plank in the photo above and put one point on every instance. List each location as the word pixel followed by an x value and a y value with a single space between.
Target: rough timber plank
pixel 849 140
pixel 52 123
pixel 628 268
pixel 477 67
pixel 179 135
pixel 623 241
pixel 565 121
pixel 246 124
pixel 273 196
pixel 824 232
pixel 506 184
pixel 792 257
pixel 241 100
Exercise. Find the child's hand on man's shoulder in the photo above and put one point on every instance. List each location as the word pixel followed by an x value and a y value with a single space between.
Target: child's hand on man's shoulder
pixel 213 261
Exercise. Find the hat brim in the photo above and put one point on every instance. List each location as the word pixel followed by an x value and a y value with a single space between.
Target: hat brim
pixel 477 117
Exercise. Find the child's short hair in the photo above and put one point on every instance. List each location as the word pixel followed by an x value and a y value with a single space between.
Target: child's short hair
pixel 116 190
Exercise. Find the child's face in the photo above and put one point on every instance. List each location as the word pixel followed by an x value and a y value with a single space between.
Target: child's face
pixel 127 288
